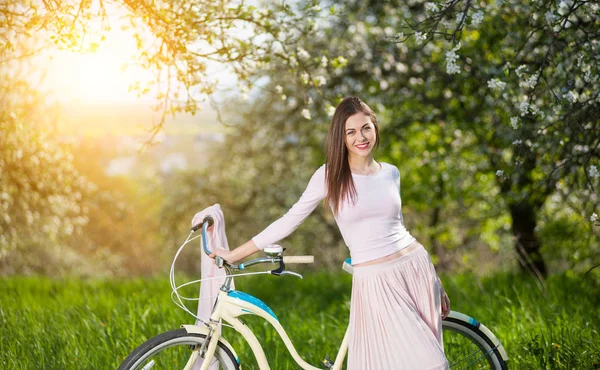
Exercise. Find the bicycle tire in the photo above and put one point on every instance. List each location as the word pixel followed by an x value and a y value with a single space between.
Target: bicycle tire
pixel 482 353
pixel 180 340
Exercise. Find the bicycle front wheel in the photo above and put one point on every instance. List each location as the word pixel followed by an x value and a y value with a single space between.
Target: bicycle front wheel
pixel 176 349
pixel 468 346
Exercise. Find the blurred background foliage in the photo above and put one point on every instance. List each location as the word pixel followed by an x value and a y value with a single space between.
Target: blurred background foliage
pixel 482 194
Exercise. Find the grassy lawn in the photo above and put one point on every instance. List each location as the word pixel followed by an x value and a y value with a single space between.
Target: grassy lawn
pixel 94 324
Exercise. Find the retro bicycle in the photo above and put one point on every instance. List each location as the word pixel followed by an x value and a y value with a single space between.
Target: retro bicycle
pixel 468 344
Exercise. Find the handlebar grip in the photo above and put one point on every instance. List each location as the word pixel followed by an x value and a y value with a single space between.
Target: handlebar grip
pixel 298 259
pixel 208 219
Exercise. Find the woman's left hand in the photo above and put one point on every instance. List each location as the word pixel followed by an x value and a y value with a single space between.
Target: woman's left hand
pixel 445 301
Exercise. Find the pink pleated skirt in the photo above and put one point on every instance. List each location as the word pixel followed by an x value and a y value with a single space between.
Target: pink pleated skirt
pixel 395 315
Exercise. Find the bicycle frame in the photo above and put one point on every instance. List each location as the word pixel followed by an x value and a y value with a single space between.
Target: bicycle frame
pixel 230 305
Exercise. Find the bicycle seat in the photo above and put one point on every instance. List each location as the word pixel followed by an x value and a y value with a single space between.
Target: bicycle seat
pixel 347 266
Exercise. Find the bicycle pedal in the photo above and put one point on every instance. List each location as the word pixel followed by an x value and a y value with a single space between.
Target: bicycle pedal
pixel 327 362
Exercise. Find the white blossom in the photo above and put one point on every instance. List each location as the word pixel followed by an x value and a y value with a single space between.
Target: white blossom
pixel 431 8
pixel 245 96
pixel 594 217
pixel 451 57
pixel 530 82
pixel 360 28
pixel 571 96
pixel 340 61
pixel 324 62
pixel 460 17
pixel 517 142
pixel 499 3
pixel 420 37
pixel 524 108
pixel 309 101
pixel 400 36
pixel 520 70
pixel 283 97
pixel 305 113
pixel 293 62
pixel 303 54
pixel 514 122
pixel 383 85
pixel 320 81
pixel 499 173
pixel 593 172
pixel 304 77
pixel 580 57
pixel 330 110
pixel 279 89
pixel 477 18
pixel 496 84
pixel 534 109
pixel 550 16
pixel 563 7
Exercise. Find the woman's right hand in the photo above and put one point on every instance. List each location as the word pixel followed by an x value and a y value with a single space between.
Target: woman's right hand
pixel 228 256
pixel 237 254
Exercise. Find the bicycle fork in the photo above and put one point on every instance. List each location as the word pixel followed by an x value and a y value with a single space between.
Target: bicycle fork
pixel 207 351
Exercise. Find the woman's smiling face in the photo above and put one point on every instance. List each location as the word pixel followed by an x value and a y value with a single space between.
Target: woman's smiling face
pixel 360 136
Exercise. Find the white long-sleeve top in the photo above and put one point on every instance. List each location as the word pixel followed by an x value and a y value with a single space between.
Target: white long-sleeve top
pixel 372 227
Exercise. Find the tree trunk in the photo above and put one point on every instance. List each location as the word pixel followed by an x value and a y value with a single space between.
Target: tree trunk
pixel 527 244
pixel 437 248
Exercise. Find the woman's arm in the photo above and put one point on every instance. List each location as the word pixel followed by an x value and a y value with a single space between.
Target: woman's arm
pixel 285 225
pixel 239 253
pixel 445 300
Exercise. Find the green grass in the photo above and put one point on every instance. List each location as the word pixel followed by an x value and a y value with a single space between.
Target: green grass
pixel 94 324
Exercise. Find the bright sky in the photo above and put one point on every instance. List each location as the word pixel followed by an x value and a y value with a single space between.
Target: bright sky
pixel 99 78
pixel 95 77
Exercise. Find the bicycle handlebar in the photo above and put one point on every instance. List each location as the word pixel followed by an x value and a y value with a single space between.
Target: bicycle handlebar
pixel 299 259
pixel 208 221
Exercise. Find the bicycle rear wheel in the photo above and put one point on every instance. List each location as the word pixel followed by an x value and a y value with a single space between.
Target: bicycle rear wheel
pixel 468 346
pixel 173 350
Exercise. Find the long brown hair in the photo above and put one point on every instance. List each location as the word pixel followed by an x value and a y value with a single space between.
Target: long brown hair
pixel 340 186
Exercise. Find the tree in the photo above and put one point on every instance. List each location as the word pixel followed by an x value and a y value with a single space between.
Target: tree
pixel 504 115
pixel 533 67
pixel 176 39
pixel 40 190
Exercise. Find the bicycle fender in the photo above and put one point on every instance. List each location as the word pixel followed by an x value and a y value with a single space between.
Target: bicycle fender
pixel 196 329
pixel 468 319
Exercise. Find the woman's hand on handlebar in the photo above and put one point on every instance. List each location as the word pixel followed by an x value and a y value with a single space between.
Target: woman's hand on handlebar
pixel 228 256
pixel 238 253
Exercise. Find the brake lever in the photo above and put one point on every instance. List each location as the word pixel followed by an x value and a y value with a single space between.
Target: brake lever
pixel 291 273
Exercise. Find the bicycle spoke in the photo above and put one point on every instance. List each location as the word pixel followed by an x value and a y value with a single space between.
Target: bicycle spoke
pixel 149 366
pixel 464 353
pixel 481 355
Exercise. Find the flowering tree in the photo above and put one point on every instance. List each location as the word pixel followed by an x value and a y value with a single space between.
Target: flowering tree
pixel 176 39
pixel 531 78
pixel 40 190
pixel 499 90
pixel 41 193
pixel 505 90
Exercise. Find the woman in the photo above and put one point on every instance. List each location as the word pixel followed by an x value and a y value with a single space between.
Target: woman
pixel 397 300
